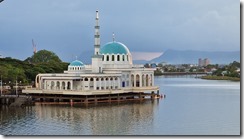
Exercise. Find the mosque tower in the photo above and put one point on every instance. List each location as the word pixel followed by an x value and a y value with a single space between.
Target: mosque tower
pixel 97 58
pixel 97 36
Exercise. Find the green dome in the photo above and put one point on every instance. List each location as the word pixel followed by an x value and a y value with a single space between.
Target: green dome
pixel 114 48
pixel 76 63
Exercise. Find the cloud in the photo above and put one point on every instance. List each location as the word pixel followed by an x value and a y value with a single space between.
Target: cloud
pixel 145 55
pixel 67 27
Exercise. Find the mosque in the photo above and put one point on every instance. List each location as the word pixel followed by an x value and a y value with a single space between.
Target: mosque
pixel 111 72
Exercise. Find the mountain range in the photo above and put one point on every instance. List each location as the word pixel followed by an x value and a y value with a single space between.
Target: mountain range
pixel 182 57
pixel 191 57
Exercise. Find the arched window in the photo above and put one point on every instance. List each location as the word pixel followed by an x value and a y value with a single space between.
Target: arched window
pixel 132 80
pixel 137 80
pixel 112 57
pixel 127 57
pixel 123 57
pixel 63 85
pixel 118 57
pixel 52 85
pixel 69 86
pixel 107 58
pixel 58 85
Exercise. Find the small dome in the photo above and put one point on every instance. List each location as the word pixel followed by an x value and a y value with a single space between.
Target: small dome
pixel 114 48
pixel 76 63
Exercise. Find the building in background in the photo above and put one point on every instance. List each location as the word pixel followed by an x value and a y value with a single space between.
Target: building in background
pixel 203 62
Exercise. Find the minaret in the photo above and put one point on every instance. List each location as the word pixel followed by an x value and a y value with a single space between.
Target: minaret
pixel 97 64
pixel 97 36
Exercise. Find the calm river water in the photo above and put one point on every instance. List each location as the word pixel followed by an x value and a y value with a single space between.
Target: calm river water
pixel 192 107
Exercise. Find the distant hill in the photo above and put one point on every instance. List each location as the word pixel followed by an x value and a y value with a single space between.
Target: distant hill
pixel 140 61
pixel 191 57
pixel 180 57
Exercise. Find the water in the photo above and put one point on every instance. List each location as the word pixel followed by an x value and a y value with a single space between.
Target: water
pixel 191 107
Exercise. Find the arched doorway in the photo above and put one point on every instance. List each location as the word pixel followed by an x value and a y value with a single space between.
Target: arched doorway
pixel 52 85
pixel 58 85
pixel 137 80
pixel 147 79
pixel 132 80
pixel 69 86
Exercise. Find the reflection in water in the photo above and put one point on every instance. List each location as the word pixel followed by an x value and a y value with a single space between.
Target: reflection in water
pixel 116 119
pixel 192 107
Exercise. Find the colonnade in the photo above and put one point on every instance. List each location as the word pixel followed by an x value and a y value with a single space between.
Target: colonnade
pixel 97 83
pixel 142 80
pixel 84 83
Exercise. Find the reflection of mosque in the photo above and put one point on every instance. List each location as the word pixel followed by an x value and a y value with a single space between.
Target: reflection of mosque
pixel 111 72
pixel 119 119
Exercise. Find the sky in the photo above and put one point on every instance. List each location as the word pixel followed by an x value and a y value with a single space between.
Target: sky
pixel 147 27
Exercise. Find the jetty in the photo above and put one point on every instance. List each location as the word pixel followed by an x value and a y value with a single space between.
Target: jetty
pixel 16 100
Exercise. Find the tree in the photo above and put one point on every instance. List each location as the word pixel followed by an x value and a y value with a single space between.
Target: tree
pixel 146 65
pixel 43 56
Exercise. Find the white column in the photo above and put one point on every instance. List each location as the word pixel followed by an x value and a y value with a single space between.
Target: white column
pixel 113 82
pixel 109 82
pixel 149 80
pixel 135 80
pixel 45 84
pixel 82 83
pixel 61 87
pixel 66 85
pixel 130 84
pixel 88 83
pixel 100 84
pixel 119 83
pixel 94 83
pixel 140 80
pixel 144 78
pixel 105 84
pixel 71 85
pixel 40 83
pixel 152 79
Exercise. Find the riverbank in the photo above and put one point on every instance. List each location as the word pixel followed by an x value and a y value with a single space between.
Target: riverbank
pixel 209 77
pixel 179 73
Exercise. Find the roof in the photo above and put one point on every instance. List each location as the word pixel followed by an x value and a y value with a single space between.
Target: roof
pixel 76 63
pixel 114 48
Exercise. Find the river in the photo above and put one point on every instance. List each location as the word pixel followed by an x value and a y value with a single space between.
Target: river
pixel 192 106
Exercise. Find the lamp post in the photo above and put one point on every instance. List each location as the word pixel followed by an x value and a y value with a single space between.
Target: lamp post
pixel 16 87
pixel 1 85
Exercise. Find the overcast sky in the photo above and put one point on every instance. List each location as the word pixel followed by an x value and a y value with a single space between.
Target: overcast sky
pixel 66 27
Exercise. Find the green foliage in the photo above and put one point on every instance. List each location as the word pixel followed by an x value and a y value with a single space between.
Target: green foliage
pixel 25 71
pixel 146 65
pixel 220 78
pixel 157 72
pixel 43 56
pixel 231 70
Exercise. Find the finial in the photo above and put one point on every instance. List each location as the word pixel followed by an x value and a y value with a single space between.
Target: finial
pixel 113 37
pixel 76 57
pixel 96 14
